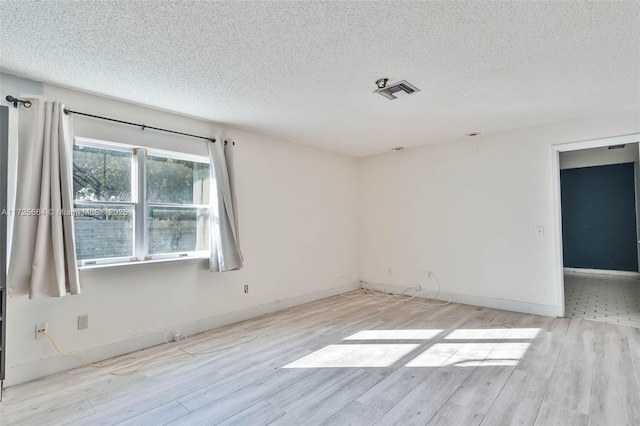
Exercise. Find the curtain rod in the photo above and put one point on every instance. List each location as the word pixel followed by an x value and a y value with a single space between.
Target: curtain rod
pixel 27 104
pixel 142 126
pixel 16 101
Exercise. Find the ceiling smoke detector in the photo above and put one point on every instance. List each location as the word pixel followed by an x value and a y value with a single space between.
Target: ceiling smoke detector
pixel 395 90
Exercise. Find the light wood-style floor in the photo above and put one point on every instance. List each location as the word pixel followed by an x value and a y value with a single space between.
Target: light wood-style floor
pixel 362 361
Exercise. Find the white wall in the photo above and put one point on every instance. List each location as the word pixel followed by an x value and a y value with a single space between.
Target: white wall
pixel 297 208
pixel 598 156
pixel 468 211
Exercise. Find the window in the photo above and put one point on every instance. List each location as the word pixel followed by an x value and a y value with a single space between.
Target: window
pixel 135 204
pixel 177 205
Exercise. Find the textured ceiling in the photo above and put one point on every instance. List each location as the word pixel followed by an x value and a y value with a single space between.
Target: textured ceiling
pixel 305 71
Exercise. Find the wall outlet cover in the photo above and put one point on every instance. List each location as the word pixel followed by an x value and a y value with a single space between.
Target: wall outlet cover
pixel 41 327
pixel 83 322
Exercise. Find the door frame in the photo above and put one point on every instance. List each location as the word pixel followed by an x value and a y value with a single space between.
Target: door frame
pixel 557 211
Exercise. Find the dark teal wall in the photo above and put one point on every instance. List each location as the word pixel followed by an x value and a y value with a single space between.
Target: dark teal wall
pixel 599 217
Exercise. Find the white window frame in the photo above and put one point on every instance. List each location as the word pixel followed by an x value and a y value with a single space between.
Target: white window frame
pixel 140 203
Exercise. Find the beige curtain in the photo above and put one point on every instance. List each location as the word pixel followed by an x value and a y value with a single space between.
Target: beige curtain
pixel 43 259
pixel 225 242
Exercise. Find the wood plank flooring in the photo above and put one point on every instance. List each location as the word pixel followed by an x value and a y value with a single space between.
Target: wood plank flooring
pixel 345 361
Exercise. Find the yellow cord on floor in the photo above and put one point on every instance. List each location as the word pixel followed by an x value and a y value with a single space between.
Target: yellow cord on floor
pixel 120 363
pixel 116 364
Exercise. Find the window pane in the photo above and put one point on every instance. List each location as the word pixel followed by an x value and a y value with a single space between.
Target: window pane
pixel 103 231
pixel 101 174
pixel 174 229
pixel 177 181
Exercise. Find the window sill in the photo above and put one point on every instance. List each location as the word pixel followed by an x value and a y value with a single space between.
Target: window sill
pixel 139 262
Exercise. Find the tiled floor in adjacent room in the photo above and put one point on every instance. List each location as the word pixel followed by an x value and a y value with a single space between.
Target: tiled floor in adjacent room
pixel 599 297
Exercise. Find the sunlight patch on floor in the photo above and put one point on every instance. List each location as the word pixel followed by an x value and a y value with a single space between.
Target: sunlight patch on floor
pixel 394 335
pixel 493 333
pixel 460 348
pixel 356 356
pixel 470 354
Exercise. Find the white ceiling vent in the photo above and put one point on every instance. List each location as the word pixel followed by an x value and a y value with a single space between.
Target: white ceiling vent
pixel 395 90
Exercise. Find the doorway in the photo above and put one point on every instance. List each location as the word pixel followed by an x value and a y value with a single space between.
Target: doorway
pixel 598 229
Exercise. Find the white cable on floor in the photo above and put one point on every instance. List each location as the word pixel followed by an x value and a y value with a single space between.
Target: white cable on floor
pixel 402 296
pixel 383 294
pixel 349 281
pixel 205 350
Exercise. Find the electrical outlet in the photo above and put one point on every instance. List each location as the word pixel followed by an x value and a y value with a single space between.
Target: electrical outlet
pixel 418 287
pixel 83 322
pixel 246 288
pixel 429 275
pixel 177 337
pixel 41 327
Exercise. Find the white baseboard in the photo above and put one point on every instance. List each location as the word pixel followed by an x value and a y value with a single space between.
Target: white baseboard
pixel 503 304
pixel 601 272
pixel 44 367
pixel 487 302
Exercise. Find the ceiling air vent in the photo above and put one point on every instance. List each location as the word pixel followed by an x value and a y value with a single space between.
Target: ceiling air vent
pixel 616 147
pixel 395 90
